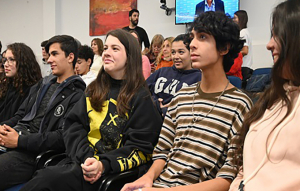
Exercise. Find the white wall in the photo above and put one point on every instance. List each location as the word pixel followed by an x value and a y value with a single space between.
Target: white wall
pixel 21 21
pixel 32 21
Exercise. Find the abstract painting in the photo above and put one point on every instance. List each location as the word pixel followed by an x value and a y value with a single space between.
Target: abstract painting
pixel 106 15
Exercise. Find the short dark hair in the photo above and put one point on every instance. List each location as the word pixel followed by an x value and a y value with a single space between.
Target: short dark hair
pixel 43 44
pixel 185 38
pixel 67 44
pixel 85 52
pixel 243 18
pixel 225 32
pixel 133 11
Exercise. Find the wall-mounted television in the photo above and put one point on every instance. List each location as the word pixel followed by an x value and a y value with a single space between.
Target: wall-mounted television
pixel 186 9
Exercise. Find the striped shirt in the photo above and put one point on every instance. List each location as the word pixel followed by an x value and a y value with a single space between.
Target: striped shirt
pixel 195 152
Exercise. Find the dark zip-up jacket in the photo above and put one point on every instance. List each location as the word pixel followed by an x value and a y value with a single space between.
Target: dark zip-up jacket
pixel 49 134
pixel 10 104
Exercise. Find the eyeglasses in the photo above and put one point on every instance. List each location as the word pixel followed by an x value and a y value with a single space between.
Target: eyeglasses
pixel 9 60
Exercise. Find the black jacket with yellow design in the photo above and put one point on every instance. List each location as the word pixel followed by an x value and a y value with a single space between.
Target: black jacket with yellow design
pixel 119 143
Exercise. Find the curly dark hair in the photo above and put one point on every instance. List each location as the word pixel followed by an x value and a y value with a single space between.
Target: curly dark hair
pixel 28 69
pixel 225 32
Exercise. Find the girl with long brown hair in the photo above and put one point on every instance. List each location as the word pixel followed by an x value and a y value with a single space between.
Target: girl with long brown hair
pixel 271 148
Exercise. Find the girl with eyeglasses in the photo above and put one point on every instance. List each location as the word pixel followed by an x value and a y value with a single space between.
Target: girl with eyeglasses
pixel 21 72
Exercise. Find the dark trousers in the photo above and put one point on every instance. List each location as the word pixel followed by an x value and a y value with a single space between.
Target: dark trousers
pixel 67 175
pixel 246 73
pixel 16 167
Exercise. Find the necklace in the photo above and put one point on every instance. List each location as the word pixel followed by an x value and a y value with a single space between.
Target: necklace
pixel 196 119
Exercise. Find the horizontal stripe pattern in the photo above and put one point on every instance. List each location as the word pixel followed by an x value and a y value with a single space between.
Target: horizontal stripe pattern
pixel 195 152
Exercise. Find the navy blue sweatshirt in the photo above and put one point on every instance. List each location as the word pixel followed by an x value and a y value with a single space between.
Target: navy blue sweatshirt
pixel 165 82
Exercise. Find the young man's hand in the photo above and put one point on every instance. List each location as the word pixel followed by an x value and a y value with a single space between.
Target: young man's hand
pixel 92 170
pixel 161 103
pixel 8 137
pixel 144 182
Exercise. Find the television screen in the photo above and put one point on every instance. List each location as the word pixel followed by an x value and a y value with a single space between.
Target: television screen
pixel 186 9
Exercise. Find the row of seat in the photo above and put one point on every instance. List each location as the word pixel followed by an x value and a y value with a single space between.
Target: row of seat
pixel 237 82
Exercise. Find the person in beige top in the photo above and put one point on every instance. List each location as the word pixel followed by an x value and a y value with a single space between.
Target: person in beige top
pixel 97 46
pixel 271 158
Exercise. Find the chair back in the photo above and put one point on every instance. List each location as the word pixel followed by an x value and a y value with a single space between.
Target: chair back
pixel 260 71
pixel 236 81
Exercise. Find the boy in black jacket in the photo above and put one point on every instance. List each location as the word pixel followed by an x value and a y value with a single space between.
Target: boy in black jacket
pixel 38 124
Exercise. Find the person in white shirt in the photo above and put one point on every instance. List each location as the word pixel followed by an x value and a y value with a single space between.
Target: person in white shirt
pixel 84 63
pixel 241 18
pixel 45 67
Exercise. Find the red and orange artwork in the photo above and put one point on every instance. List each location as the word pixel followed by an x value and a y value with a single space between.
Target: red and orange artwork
pixel 106 15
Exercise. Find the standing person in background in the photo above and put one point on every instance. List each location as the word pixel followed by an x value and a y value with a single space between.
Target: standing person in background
pixel 21 72
pixel 145 60
pixel 241 18
pixel 84 63
pixel 46 69
pixel 97 46
pixel 134 20
pixel 155 48
pixel 271 148
pixel 164 58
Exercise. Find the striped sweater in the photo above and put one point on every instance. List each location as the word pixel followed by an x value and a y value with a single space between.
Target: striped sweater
pixel 195 152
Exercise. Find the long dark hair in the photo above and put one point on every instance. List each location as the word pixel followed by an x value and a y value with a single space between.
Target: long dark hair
pixel 243 18
pixel 285 30
pixel 133 77
pixel 28 69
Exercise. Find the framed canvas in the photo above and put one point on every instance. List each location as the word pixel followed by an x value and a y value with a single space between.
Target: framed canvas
pixel 106 15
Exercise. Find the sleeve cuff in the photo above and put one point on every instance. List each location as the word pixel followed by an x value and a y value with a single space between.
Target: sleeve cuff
pixel 106 166
pixel 22 141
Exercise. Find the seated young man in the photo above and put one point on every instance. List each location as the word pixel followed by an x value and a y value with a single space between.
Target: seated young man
pixel 196 145
pixel 84 63
pixel 38 124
